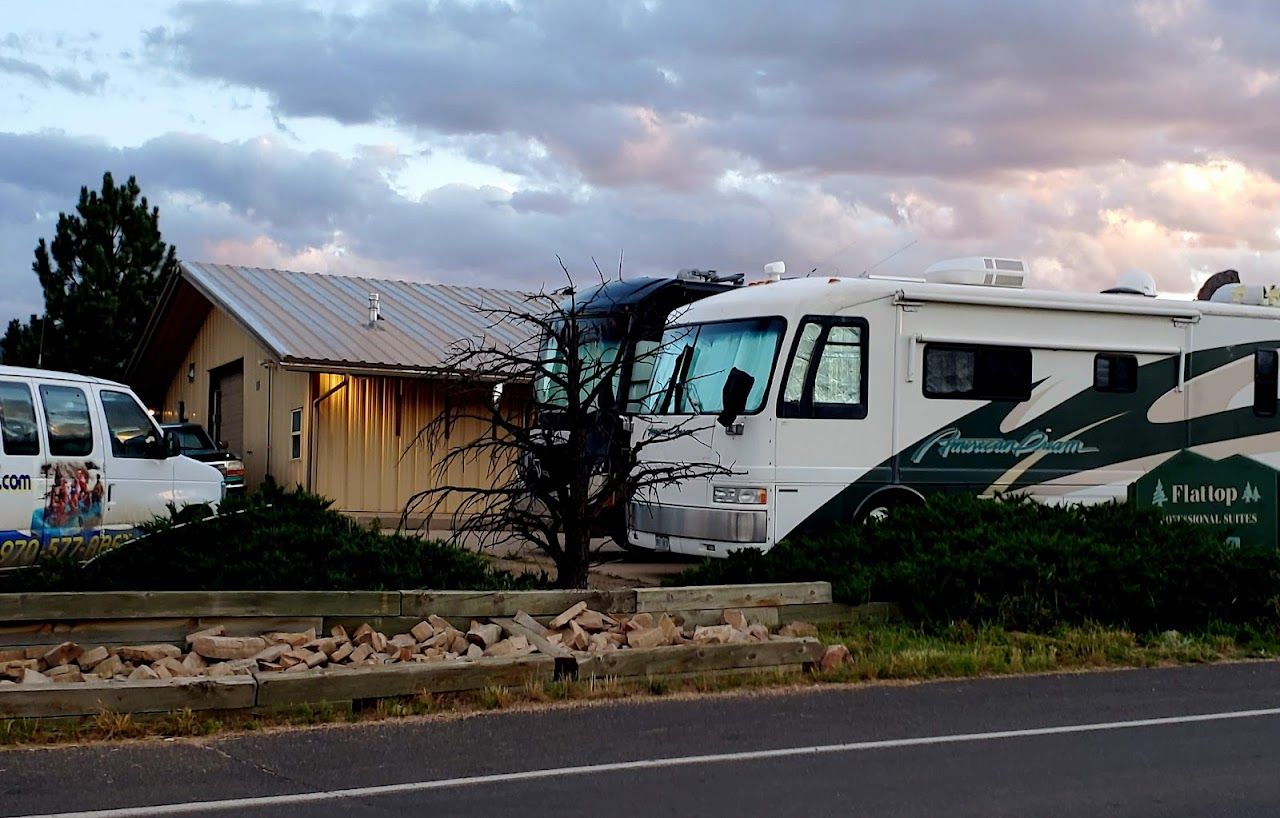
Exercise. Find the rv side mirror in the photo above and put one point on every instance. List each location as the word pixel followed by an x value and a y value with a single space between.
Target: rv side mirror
pixel 737 388
pixel 171 446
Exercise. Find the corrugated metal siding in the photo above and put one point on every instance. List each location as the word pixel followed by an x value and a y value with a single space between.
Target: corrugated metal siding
pixel 310 317
pixel 221 341
pixel 360 461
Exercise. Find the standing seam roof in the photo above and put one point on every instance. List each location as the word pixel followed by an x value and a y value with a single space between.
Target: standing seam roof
pixel 319 318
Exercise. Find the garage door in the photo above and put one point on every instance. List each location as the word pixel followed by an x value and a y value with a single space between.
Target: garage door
pixel 231 402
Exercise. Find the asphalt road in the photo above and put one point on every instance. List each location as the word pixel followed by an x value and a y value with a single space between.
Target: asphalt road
pixel 1200 741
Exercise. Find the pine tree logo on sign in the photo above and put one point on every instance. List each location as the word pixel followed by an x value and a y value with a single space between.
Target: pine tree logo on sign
pixel 1158 497
pixel 1251 494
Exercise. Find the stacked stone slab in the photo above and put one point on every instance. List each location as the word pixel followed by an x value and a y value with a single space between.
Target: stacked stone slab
pixel 212 653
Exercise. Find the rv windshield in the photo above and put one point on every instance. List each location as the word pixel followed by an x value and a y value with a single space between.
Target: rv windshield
pixel 694 360
pixel 600 343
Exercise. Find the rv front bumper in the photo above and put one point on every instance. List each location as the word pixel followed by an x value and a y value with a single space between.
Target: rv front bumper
pixel 699 523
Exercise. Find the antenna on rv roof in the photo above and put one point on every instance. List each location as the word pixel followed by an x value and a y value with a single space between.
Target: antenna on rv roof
pixel 863 274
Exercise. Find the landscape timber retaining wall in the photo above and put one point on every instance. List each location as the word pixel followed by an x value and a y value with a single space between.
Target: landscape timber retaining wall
pixel 272 691
pixel 116 618
pixel 144 617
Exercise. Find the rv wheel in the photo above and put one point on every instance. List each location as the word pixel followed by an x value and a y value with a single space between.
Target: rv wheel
pixel 880 507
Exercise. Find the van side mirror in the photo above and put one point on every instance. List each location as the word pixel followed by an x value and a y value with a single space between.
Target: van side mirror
pixel 171 446
pixel 737 388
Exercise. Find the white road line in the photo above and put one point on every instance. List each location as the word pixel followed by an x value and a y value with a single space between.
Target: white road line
pixel 197 807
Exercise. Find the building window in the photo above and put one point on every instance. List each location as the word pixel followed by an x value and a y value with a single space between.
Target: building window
pixel 963 372
pixel 1266 366
pixel 66 416
pixel 295 433
pixel 1115 373
pixel 18 418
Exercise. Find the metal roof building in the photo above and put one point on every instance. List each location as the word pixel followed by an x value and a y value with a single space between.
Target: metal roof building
pixel 319 380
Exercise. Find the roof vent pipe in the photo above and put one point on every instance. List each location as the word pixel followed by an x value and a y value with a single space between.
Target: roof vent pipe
pixel 375 310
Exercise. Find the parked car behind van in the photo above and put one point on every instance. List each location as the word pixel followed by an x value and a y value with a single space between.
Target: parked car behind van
pixel 195 443
pixel 82 464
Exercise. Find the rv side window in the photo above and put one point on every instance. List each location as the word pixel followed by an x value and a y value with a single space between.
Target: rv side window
pixel 1115 373
pixel 799 369
pixel 132 433
pixel 18 418
pixel 66 414
pixel 953 372
pixel 827 375
pixel 1265 368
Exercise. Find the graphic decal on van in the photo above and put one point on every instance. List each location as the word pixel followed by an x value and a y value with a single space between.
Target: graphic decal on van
pixel 66 521
pixel 15 482
pixel 73 502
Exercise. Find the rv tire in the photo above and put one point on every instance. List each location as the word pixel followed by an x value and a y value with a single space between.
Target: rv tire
pixel 881 505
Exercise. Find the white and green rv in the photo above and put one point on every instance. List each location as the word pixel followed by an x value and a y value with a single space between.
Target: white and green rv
pixel 833 400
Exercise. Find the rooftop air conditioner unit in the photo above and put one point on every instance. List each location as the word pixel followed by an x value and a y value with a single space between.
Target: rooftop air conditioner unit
pixel 980 271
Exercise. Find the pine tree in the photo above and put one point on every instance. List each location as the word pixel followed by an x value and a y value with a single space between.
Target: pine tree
pixel 101 277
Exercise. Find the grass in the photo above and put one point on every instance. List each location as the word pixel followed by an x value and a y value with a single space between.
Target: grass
pixel 895 651
pixel 878 651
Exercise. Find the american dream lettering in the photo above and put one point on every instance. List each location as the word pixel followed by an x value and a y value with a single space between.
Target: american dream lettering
pixel 950 441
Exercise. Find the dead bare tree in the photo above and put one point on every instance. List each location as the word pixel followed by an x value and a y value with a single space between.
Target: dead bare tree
pixel 556 464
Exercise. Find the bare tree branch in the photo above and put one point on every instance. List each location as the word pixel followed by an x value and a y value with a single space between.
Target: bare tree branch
pixel 553 465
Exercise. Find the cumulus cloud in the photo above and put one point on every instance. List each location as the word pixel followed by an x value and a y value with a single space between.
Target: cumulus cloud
pixel 714 134
pixel 674 92
pixel 65 78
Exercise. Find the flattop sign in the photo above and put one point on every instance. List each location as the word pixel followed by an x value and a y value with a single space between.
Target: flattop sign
pixel 1236 494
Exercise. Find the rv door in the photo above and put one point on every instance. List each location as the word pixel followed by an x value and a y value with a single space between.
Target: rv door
pixel 825 442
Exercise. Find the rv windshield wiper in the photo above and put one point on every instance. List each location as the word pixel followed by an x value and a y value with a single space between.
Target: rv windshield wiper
pixel 674 385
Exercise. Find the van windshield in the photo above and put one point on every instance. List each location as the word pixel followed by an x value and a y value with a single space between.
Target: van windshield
pixel 695 359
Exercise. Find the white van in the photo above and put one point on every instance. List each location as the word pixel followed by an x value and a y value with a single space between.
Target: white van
pixel 82 464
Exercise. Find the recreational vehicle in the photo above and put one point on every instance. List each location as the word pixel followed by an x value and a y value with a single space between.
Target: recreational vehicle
pixel 83 464
pixel 834 400
pixel 620 324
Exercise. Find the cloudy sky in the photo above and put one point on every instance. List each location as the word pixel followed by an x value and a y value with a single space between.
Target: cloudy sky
pixel 474 140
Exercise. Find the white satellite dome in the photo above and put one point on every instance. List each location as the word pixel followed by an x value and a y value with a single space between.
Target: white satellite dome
pixel 1134 282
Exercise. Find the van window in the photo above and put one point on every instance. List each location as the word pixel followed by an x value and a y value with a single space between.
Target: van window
pixel 964 372
pixel 18 418
pixel 827 375
pixel 1115 373
pixel 1266 376
pixel 128 426
pixel 66 414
